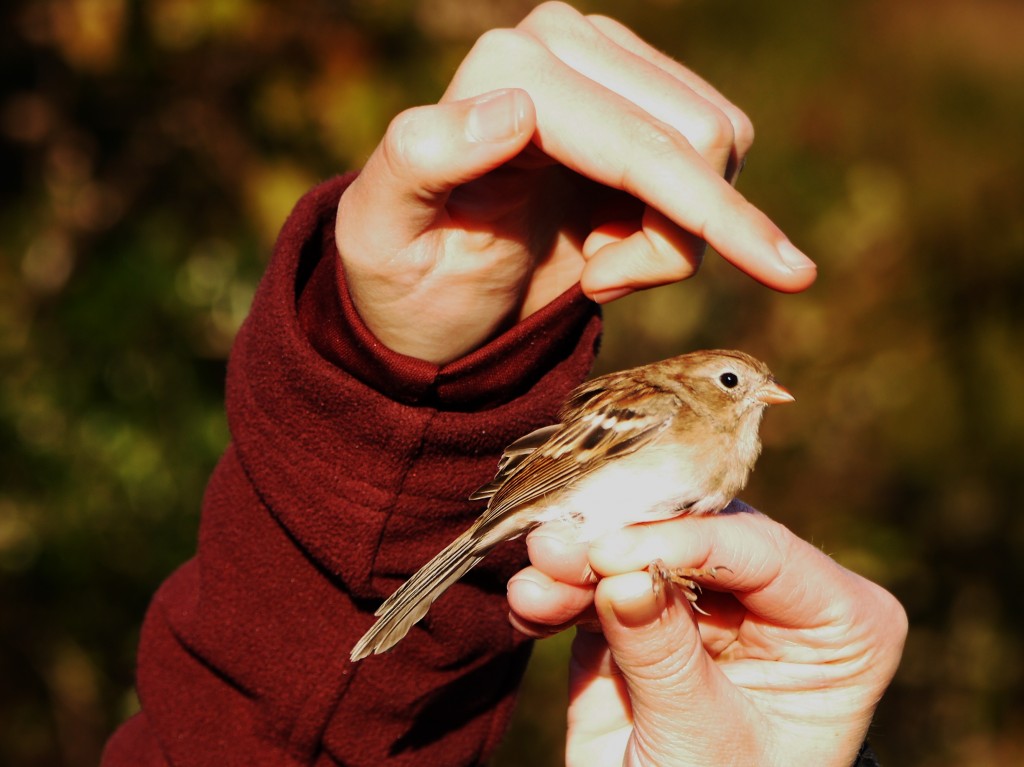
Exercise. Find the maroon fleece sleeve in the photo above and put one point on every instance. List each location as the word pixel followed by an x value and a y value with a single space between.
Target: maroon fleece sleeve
pixel 348 467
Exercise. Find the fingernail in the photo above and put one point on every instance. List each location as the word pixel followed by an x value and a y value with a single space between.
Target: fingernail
pixel 792 257
pixel 520 583
pixel 496 116
pixel 612 294
pixel 633 599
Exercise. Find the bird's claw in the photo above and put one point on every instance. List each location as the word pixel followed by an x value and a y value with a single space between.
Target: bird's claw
pixel 682 577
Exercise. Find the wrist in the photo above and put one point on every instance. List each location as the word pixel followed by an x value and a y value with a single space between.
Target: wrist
pixel 556 345
pixel 432 323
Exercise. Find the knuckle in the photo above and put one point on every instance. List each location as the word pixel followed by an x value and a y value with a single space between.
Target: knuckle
pixel 688 264
pixel 552 12
pixel 604 20
pixel 712 132
pixel 743 130
pixel 650 141
pixel 676 270
pixel 502 44
pixel 499 57
pixel 663 261
pixel 400 138
pixel 406 147
pixel 900 619
pixel 895 613
pixel 658 136
pixel 671 262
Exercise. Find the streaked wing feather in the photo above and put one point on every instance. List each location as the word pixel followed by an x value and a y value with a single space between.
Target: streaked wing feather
pixel 607 425
pixel 513 456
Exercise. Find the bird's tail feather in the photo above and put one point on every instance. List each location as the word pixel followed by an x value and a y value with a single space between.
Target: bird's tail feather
pixel 403 609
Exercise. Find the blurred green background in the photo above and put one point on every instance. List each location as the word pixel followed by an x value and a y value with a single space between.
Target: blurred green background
pixel 152 149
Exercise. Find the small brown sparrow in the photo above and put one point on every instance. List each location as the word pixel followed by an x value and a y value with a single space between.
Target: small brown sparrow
pixel 674 437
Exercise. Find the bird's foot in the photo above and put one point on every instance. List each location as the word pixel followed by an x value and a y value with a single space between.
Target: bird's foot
pixel 683 578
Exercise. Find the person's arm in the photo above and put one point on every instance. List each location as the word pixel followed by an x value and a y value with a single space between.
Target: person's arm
pixel 349 465
pixel 567 158
pixel 787 667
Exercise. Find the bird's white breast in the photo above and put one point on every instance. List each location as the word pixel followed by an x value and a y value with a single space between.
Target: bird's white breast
pixel 658 482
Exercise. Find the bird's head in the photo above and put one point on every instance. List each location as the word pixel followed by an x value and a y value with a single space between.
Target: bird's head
pixel 726 380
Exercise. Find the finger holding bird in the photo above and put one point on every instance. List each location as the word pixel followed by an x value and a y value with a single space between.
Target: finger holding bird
pixel 556 590
pixel 675 437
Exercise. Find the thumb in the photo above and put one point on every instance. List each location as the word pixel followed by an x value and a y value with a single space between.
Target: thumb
pixel 676 691
pixel 427 152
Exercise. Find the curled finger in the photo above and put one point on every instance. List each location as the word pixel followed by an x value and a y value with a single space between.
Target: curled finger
pixel 622 258
pixel 541 605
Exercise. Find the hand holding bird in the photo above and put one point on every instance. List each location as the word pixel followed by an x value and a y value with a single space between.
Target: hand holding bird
pixel 674 437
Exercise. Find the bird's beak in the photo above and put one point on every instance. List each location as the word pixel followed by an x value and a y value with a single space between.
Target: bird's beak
pixel 773 394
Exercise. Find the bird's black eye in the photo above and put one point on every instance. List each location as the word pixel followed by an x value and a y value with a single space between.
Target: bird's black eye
pixel 729 380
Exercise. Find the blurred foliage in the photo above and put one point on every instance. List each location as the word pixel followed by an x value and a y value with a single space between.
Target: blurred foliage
pixel 153 148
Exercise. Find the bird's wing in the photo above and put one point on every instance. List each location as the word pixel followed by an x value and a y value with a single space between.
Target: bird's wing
pixel 599 422
pixel 513 456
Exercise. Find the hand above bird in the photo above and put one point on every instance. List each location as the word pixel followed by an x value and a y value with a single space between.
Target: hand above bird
pixel 674 437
